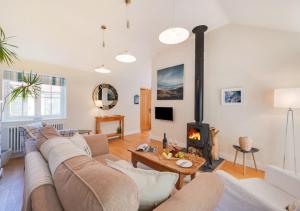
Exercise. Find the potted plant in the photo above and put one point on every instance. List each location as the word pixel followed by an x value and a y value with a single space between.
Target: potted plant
pixel 30 82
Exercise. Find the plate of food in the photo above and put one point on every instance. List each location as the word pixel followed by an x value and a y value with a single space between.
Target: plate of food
pixel 184 163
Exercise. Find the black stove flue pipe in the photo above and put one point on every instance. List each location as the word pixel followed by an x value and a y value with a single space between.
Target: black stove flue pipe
pixel 199 71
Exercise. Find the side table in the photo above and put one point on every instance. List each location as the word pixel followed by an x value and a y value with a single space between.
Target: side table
pixel 252 151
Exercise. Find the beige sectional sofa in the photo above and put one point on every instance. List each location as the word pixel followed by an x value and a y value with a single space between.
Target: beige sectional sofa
pixel 87 183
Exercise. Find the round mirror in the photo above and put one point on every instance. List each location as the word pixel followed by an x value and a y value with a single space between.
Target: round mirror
pixel 105 96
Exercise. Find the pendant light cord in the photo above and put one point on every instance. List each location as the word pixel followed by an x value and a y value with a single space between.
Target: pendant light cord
pixel 127 2
pixel 173 15
pixel 103 27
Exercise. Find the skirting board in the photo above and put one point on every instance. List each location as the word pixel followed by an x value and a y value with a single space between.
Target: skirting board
pixel 131 132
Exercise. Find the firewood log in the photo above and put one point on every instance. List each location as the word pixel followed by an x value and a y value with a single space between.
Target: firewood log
pixel 215 143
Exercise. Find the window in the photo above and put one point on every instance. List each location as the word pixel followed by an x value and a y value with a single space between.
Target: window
pixel 50 104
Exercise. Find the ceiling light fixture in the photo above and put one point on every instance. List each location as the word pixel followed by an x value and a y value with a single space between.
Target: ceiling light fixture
pixel 103 69
pixel 125 56
pixel 174 35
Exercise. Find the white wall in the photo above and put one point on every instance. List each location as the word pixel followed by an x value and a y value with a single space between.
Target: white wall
pixel 255 59
pixel 81 111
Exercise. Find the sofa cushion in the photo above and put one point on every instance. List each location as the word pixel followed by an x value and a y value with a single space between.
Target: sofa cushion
pixel 102 158
pixel 98 144
pixel 45 133
pixel 80 142
pixel 267 192
pixel 46 148
pixel 154 186
pixel 45 198
pixel 202 193
pixel 83 183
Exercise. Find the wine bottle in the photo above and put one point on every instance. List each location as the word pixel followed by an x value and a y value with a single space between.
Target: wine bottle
pixel 165 141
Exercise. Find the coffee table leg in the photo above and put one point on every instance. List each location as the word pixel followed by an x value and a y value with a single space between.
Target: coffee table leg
pixel 193 176
pixel 134 161
pixel 180 182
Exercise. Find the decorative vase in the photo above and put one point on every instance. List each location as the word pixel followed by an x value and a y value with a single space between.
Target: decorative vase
pixel 245 143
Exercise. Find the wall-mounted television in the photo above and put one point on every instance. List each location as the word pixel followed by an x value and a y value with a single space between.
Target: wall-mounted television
pixel 164 113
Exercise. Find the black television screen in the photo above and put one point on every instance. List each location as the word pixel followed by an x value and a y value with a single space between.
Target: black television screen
pixel 164 113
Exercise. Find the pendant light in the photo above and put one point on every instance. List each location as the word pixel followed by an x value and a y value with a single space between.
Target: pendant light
pixel 102 69
pixel 173 35
pixel 125 56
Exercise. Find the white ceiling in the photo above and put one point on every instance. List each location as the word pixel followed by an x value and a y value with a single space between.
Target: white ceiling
pixel 276 14
pixel 67 32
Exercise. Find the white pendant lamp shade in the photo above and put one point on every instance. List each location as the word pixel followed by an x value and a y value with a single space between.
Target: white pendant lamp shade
pixel 102 70
pixel 173 36
pixel 125 57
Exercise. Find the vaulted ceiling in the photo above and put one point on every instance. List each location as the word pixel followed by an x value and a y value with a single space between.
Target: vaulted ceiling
pixel 67 32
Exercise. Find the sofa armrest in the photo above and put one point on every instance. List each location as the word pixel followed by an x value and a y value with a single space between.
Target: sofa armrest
pixel 237 197
pixel 202 193
pixel 98 144
pixel 284 180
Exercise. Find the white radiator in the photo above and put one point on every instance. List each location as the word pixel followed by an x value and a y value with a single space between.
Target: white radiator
pixel 13 137
pixel 15 140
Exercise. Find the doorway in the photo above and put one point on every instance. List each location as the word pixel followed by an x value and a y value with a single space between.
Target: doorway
pixel 145 109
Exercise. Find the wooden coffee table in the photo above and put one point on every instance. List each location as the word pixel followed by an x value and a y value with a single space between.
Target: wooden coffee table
pixel 157 162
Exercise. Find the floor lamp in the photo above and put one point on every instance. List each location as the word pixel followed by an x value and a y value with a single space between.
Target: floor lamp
pixel 288 98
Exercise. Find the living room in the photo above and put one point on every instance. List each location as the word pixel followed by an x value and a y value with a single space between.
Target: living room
pixel 107 82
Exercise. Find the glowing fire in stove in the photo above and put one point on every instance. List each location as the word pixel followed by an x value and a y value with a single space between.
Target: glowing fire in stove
pixel 194 135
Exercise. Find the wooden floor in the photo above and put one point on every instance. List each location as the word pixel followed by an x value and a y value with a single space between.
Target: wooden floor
pixel 11 185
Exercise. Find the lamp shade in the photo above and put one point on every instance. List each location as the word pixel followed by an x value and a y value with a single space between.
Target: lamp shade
pixel 173 36
pixel 287 98
pixel 102 70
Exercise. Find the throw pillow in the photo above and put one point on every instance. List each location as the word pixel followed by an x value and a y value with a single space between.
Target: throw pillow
pixel 33 129
pixel 80 142
pixel 154 187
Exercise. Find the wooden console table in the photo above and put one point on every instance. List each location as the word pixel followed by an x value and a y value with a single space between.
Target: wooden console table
pixel 119 118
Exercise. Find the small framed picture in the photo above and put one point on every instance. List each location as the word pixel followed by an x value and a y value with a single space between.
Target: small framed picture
pixel 233 96
pixel 136 99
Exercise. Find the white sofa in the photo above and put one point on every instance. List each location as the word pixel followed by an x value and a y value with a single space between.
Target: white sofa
pixel 279 189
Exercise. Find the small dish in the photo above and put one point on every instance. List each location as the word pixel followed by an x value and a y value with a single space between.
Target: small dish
pixel 184 163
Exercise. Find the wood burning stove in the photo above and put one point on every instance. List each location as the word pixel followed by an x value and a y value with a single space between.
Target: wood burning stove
pixel 199 140
pixel 198 134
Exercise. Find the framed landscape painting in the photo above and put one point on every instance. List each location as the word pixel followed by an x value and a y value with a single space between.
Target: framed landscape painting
pixel 233 96
pixel 170 83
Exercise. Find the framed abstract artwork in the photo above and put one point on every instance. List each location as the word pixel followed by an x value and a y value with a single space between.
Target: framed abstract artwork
pixel 170 83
